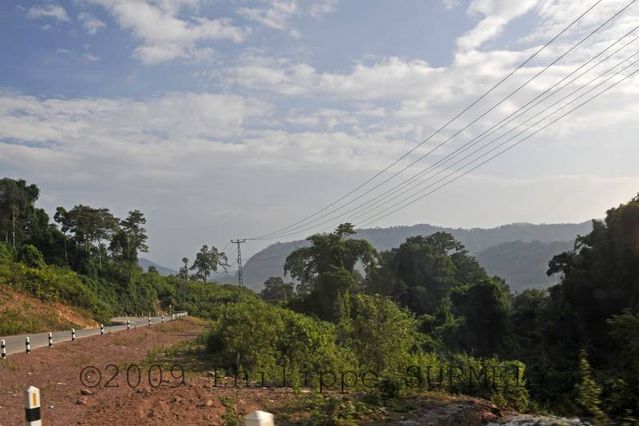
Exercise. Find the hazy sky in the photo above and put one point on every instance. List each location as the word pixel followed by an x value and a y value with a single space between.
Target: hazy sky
pixel 229 118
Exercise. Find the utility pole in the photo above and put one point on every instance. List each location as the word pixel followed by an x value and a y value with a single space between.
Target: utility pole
pixel 182 292
pixel 240 277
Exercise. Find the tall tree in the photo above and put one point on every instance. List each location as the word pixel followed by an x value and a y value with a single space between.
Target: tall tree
pixel 422 271
pixel 484 308
pixel 17 199
pixel 599 280
pixel 130 238
pixel 89 226
pixel 208 261
pixel 326 269
pixel 276 290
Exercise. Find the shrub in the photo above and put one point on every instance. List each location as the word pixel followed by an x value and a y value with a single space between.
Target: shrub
pixel 260 338
pixel 31 256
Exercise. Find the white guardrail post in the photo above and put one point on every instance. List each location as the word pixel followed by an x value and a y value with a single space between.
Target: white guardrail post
pixel 73 334
pixel 32 406
pixel 3 349
pixel 50 339
pixel 27 344
pixel 259 418
pixel 102 329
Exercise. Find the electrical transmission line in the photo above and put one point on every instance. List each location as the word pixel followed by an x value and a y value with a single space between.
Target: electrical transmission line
pixel 471 143
pixel 531 104
pixel 279 232
pixel 385 214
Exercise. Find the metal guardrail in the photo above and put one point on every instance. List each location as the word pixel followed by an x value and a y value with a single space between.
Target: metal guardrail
pixel 26 343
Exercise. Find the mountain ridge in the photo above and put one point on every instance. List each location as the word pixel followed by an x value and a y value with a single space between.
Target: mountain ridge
pixel 548 237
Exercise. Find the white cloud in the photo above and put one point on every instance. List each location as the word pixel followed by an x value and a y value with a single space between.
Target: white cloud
pixel 319 8
pixel 90 57
pixel 90 23
pixel 278 14
pixel 390 79
pixel 450 4
pixel 554 15
pixel 53 11
pixel 275 16
pixel 496 14
pixel 222 159
pixel 164 35
pixel 186 116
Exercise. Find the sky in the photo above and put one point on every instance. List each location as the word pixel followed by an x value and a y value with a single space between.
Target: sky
pixel 222 119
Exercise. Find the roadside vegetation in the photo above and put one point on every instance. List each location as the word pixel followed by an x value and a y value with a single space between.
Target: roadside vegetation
pixel 423 317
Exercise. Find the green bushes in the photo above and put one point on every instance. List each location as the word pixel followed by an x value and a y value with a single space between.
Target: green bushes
pixel 260 338
pixel 51 283
pixel 377 350
pixel 7 254
pixel 31 256
pixel 382 335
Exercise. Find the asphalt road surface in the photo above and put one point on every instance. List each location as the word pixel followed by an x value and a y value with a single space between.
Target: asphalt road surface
pixel 16 344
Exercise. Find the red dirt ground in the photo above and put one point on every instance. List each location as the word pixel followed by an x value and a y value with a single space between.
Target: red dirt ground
pixel 67 401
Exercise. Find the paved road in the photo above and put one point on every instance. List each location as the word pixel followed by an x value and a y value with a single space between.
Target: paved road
pixel 16 344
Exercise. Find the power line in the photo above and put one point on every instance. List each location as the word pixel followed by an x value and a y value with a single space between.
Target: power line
pixel 487 132
pixel 474 141
pixel 274 234
pixel 498 154
pixel 533 103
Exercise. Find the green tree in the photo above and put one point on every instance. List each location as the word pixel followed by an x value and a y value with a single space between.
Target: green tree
pixel 326 269
pixel 16 200
pixel 21 223
pixel 588 392
pixel 381 334
pixel 208 261
pixel 599 281
pixel 130 238
pixel 276 290
pixel 484 308
pixel 422 271
pixel 89 228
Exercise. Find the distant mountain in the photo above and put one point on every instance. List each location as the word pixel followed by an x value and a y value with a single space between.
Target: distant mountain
pixel 162 270
pixel 522 264
pixel 529 270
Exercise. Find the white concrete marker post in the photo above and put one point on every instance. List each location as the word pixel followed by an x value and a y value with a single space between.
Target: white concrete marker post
pixel 50 339
pixel 162 319
pixel 3 349
pixel 73 334
pixel 102 329
pixel 149 321
pixel 32 406
pixel 259 418
pixel 128 325
pixel 27 344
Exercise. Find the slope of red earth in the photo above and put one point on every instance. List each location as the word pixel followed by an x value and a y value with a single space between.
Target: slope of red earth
pixel 22 313
pixel 116 398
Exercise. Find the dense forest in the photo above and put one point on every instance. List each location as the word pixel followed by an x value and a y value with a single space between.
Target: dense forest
pixel 409 315
pixel 88 258
pixel 579 340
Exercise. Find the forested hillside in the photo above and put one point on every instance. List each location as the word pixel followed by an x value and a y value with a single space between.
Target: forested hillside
pixel 578 341
pixel 421 316
pixel 518 252
pixel 87 259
